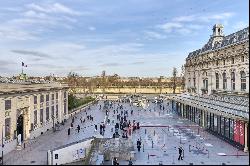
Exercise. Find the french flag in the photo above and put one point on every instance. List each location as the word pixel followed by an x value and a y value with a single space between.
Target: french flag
pixel 24 65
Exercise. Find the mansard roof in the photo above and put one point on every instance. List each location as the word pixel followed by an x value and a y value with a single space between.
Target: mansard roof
pixel 237 37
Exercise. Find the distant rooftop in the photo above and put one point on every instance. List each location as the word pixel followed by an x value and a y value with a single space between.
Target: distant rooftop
pixel 237 37
pixel 9 88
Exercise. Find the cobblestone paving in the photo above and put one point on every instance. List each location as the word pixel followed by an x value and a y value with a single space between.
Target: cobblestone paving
pixel 199 148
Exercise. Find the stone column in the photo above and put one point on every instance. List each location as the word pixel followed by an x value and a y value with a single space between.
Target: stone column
pixel 246 138
pixel 203 118
pixel 26 124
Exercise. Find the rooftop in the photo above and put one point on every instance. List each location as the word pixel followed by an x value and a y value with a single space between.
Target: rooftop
pixel 234 38
pixel 8 88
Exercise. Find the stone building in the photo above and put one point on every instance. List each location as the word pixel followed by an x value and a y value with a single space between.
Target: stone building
pixel 217 87
pixel 30 110
pixel 220 65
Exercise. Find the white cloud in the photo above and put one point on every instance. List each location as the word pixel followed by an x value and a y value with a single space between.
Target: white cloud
pixel 191 23
pixel 53 8
pixel 91 28
pixel 154 35
pixel 168 27
pixel 184 18
pixel 13 33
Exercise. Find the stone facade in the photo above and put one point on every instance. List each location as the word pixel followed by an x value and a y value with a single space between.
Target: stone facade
pixel 30 110
pixel 217 86
pixel 221 65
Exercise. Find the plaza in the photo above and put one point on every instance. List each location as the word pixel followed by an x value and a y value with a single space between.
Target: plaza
pixel 161 133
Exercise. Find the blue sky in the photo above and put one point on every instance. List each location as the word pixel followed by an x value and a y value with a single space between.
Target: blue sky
pixel 130 38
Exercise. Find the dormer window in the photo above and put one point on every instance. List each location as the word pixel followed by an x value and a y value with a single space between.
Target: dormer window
pixel 242 58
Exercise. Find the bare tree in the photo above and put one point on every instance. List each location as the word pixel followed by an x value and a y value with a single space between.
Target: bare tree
pixel 174 79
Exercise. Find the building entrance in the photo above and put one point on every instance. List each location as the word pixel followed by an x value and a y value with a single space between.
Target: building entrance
pixel 19 127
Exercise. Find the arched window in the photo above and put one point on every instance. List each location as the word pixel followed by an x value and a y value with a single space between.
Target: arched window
pixel 243 80
pixel 217 79
pixel 224 77
pixel 242 59
pixel 233 81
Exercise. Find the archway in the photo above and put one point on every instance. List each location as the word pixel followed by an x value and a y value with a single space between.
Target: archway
pixel 19 127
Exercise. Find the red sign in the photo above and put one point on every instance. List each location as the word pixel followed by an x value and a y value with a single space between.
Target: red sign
pixel 239 132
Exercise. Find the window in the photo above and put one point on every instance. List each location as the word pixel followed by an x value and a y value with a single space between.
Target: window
pixel 47 113
pixel 205 84
pixel 194 82
pixel 7 104
pixel 35 117
pixel 242 58
pixel 233 81
pixel 243 80
pixel 65 94
pixel 232 60
pixel 224 62
pixel 217 80
pixel 53 96
pixel 41 115
pixel 47 97
pixel 217 63
pixel 56 95
pixel 224 76
pixel 41 98
pixel 35 99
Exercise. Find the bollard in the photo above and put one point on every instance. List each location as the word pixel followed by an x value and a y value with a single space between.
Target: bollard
pixel 154 132
pixel 198 130
pixel 145 131
pixel 148 156
pixel 143 147
pixel 152 144
pixel 189 146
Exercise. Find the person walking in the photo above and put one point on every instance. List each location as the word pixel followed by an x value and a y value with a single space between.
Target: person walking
pixel 180 153
pixel 78 128
pixel 130 162
pixel 68 131
pixel 138 145
pixel 95 127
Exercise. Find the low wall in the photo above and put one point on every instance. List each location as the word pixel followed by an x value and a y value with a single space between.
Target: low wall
pixel 72 152
pixel 126 90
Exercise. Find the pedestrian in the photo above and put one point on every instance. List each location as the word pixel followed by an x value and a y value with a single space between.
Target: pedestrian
pixel 78 128
pixel 130 162
pixel 95 127
pixel 138 125
pixel 138 145
pixel 180 153
pixel 68 131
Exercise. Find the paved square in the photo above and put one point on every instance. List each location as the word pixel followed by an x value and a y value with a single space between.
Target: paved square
pixel 161 133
